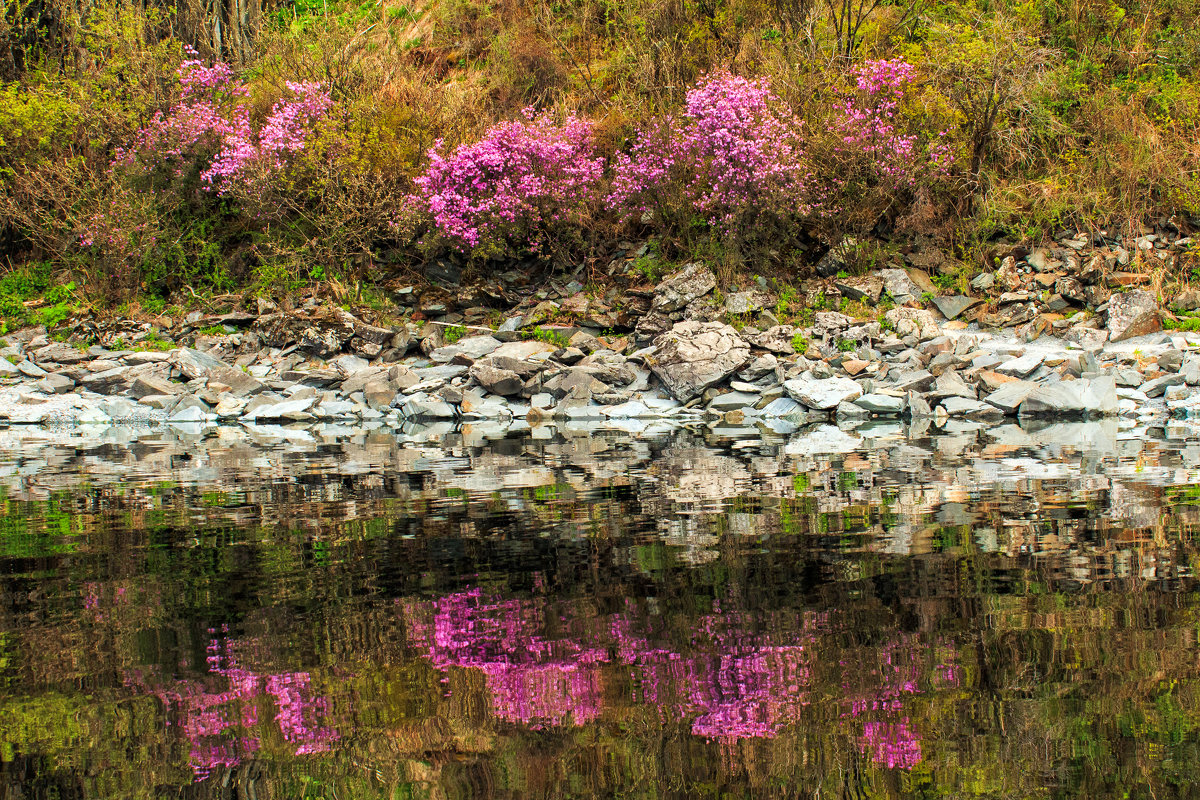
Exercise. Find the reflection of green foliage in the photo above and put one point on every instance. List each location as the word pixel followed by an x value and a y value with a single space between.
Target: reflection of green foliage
pixel 212 499
pixel 32 529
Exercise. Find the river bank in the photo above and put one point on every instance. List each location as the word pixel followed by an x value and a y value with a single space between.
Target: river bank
pixel 682 351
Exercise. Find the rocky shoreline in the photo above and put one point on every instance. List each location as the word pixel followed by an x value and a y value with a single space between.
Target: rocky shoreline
pixel 687 354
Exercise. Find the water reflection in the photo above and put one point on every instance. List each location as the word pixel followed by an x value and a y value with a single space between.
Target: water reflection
pixel 873 612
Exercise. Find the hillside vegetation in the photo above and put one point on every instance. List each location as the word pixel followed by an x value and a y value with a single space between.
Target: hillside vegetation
pixel 173 149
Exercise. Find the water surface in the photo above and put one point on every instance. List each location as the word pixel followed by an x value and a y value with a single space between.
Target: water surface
pixel 724 612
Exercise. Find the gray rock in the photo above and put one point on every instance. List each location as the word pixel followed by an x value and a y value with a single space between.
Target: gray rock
pixel 733 400
pixel 776 339
pixel 1180 392
pixel 60 353
pixel 631 409
pixel 294 409
pixel 472 347
pixel 747 302
pixel 1190 370
pixel 55 384
pixel 913 381
pixel 983 282
pixel 1009 396
pixel 782 407
pixel 163 402
pixel 695 355
pixel 913 321
pixel 497 380
pixel 145 357
pixel 866 289
pixel 241 384
pixel 195 363
pixel 1021 367
pixel 677 290
pixel 951 307
pixel 966 407
pixel 951 384
pixel 1156 387
pixel 8 369
pixel 187 414
pixel 147 385
pixel 918 407
pixel 822 394
pixel 899 285
pixel 1132 314
pixel 1099 397
pixel 1090 339
pixel 379 394
pixel 111 381
pixel 885 404
pixel 1062 397
pixel 30 369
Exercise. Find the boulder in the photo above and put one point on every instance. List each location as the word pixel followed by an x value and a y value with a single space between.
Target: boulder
pixel 776 339
pixel 822 393
pixel 900 285
pixel 379 394
pixel 1008 398
pixel 496 379
pixel 195 363
pixel 1022 366
pixel 60 353
pixel 1156 387
pixel 677 290
pixel 966 407
pixel 867 289
pixel 885 404
pixel 110 381
pixel 747 302
pixel 472 348
pixel 1132 314
pixel 1090 339
pixel 55 384
pixel 695 355
pixel 913 321
pixel 954 305
pixel 1090 397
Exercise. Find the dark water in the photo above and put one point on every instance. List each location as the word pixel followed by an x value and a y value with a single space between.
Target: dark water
pixel 715 613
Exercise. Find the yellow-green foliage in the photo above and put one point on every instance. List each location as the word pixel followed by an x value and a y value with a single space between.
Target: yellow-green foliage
pixel 36 123
pixel 1059 112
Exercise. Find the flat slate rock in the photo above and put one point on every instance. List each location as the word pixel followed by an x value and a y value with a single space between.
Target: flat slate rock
pixel 954 305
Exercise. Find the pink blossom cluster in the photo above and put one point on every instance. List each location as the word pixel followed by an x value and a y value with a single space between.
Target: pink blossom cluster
pixel 285 131
pixel 212 122
pixel 735 149
pixel 520 179
pixel 868 124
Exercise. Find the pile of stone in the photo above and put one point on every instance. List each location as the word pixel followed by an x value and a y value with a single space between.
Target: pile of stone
pixel 681 361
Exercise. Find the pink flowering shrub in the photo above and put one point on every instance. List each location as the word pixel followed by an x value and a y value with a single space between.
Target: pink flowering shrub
pixel 515 186
pixel 210 129
pixel 874 157
pixel 732 157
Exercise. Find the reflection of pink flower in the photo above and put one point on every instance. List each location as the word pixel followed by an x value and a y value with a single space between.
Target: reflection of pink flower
pixel 533 679
pixel 211 719
pixel 891 744
pixel 749 695
pixel 736 678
